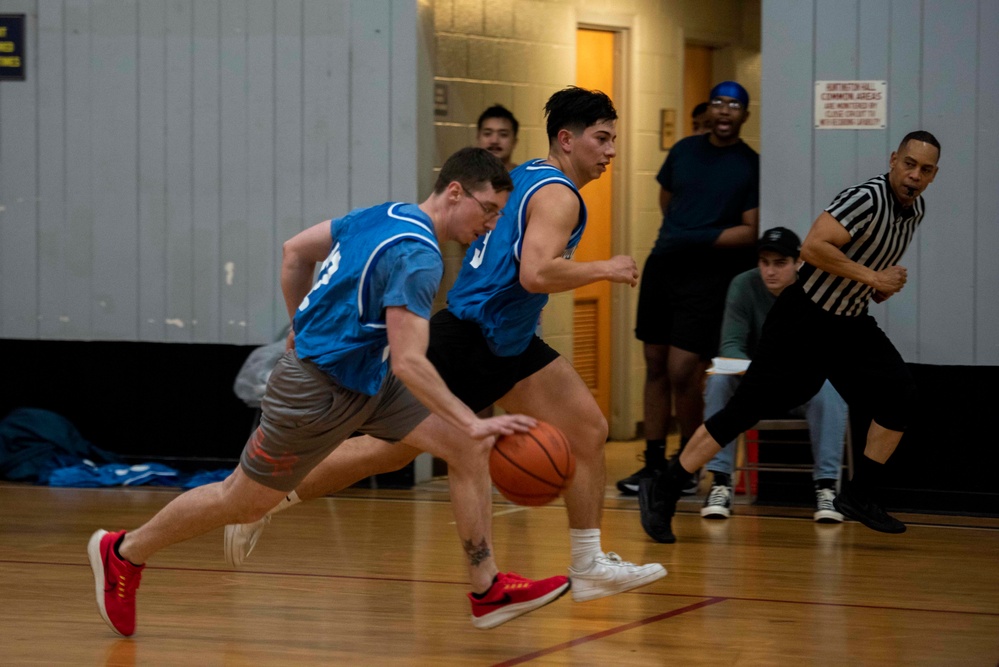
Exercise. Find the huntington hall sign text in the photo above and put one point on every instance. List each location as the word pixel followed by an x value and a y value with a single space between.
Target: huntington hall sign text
pixel 851 105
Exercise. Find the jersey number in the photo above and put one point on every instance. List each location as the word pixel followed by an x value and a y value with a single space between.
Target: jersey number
pixel 479 253
pixel 326 271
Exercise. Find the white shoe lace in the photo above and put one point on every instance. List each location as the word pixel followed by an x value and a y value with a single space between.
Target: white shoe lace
pixel 611 558
pixel 824 499
pixel 718 497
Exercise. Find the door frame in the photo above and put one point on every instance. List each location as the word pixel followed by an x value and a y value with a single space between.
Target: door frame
pixel 622 414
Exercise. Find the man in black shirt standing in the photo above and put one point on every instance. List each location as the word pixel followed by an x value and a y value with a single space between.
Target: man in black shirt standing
pixel 710 202
pixel 820 329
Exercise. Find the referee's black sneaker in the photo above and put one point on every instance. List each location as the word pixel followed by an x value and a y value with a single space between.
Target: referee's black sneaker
pixel 629 485
pixel 859 507
pixel 657 505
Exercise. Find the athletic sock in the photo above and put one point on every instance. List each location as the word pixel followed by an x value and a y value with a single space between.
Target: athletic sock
pixel 676 477
pixel 585 546
pixel 479 596
pixel 286 502
pixel 655 453
pixel 868 475
pixel 118 553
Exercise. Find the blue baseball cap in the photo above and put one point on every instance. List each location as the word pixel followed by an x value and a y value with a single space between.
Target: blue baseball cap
pixel 730 89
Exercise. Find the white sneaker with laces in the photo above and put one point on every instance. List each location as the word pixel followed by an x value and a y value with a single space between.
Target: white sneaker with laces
pixel 825 512
pixel 240 538
pixel 718 504
pixel 609 575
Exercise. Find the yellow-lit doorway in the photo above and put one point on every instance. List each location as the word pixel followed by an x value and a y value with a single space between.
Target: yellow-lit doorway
pixel 595 69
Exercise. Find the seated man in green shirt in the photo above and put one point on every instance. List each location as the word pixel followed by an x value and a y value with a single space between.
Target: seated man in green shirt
pixel 750 296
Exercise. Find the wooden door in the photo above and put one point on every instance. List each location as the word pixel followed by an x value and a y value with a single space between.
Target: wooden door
pixel 697 76
pixel 591 317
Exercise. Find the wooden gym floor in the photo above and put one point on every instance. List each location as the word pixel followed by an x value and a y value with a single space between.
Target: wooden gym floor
pixel 377 578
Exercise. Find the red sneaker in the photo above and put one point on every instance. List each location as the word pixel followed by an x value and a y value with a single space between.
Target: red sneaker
pixel 116 580
pixel 512 595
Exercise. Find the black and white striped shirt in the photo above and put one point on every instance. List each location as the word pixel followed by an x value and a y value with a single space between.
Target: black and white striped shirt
pixel 881 231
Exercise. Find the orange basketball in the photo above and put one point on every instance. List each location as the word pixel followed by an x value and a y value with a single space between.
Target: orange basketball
pixel 532 468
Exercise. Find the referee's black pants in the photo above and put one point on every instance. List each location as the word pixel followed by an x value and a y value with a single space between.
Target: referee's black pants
pixel 801 347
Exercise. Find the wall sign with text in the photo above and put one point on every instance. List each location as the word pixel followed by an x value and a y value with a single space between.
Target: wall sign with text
pixel 12 47
pixel 851 105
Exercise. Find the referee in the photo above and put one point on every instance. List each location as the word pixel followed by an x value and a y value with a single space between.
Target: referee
pixel 820 329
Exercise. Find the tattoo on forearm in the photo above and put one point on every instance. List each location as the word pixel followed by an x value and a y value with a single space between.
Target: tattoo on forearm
pixel 477 552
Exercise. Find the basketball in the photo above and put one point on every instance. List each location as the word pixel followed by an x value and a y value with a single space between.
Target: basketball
pixel 532 468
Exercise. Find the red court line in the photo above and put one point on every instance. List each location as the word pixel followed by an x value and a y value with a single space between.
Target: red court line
pixel 403 580
pixel 607 633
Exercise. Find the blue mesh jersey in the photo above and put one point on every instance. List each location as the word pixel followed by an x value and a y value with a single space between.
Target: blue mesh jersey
pixel 488 290
pixel 382 256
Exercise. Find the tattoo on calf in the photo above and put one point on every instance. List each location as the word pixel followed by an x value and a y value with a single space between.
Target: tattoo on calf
pixel 477 552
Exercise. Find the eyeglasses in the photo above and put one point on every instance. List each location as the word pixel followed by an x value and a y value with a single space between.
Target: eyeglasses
pixel 489 210
pixel 734 105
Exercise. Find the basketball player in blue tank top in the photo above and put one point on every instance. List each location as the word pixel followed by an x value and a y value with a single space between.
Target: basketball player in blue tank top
pixel 381 268
pixel 485 347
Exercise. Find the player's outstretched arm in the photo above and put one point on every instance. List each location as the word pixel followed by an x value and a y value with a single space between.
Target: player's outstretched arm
pixel 551 216
pixel 409 335
pixel 821 249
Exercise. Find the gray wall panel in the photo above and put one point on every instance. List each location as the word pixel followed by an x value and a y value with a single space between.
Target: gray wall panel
pixel 786 112
pixel 369 105
pixel 234 142
pixel 79 163
pixel 901 313
pixel 946 323
pixel 261 276
pixel 327 53
pixel 55 239
pixel 114 304
pixel 19 217
pixel 162 150
pixel 987 213
pixel 835 164
pixel 288 200
pixel 207 267
pixel 152 171
pixel 179 279
pixel 403 167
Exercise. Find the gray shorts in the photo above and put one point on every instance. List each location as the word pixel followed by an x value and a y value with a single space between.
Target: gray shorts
pixel 305 415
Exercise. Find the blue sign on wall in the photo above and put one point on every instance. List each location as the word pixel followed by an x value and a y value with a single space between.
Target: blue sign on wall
pixel 11 47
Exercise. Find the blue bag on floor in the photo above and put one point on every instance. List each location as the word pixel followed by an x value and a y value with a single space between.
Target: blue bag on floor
pixel 34 442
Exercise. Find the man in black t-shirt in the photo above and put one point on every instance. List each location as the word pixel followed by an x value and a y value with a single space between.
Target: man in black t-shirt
pixel 710 204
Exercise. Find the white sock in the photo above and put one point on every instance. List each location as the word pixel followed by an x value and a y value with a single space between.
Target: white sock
pixel 585 546
pixel 286 502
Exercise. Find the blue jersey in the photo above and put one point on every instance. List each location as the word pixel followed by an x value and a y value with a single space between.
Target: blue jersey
pixel 488 290
pixel 382 256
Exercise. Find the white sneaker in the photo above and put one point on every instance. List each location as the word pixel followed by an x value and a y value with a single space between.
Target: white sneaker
pixel 240 538
pixel 608 574
pixel 825 511
pixel 718 504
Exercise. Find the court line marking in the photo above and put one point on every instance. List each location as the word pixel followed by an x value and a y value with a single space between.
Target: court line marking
pixel 527 657
pixel 404 580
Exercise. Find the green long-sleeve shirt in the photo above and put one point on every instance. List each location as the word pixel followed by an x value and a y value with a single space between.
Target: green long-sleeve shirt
pixel 746 306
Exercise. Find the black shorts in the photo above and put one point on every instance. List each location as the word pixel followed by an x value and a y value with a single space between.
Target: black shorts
pixel 472 372
pixel 682 300
pixel 801 347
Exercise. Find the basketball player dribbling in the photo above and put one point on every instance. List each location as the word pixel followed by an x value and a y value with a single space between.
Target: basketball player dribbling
pixel 381 267
pixel 485 347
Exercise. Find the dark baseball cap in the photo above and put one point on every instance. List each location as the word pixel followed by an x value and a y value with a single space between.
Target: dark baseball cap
pixel 781 240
